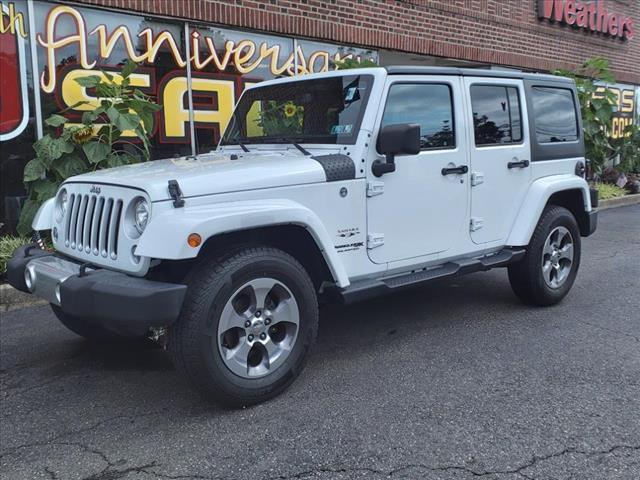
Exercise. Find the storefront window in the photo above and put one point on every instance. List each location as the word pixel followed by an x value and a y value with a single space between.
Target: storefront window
pixel 73 42
pixel 17 111
pixel 79 42
pixel 314 57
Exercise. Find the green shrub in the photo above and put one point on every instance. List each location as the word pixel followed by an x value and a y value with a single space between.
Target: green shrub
pixel 597 113
pixel 607 190
pixel 68 150
pixel 8 244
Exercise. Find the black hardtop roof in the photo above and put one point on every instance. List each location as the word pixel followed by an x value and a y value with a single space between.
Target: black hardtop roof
pixel 474 72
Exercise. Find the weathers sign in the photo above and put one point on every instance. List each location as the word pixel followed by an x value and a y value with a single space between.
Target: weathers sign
pixel 592 16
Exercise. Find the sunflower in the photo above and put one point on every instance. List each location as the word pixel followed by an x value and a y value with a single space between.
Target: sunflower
pixel 290 110
pixel 82 135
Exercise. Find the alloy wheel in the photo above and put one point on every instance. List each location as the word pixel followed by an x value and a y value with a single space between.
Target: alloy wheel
pixel 258 328
pixel 557 257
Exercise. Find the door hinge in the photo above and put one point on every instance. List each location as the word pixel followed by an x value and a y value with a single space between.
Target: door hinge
pixel 375 240
pixel 477 178
pixel 375 188
pixel 476 223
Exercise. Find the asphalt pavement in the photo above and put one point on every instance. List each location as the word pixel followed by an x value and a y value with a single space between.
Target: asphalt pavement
pixel 454 380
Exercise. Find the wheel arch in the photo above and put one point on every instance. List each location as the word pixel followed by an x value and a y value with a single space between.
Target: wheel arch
pixel 568 191
pixel 283 224
pixel 296 240
pixel 574 201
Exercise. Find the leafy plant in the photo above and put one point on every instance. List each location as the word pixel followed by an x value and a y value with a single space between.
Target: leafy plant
pixel 598 109
pixel 628 147
pixel 8 244
pixel 608 190
pixel 281 118
pixel 103 139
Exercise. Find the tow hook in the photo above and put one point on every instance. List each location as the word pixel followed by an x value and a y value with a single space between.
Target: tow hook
pixel 159 336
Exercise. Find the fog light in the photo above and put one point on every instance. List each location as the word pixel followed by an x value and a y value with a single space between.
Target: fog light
pixel 29 278
pixel 194 240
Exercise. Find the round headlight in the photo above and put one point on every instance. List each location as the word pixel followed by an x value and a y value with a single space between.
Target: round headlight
pixel 61 204
pixel 141 214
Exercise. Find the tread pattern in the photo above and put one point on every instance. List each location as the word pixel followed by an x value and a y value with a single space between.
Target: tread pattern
pixel 525 277
pixel 203 282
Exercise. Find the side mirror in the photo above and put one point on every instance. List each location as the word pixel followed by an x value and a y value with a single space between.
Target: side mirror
pixel 399 139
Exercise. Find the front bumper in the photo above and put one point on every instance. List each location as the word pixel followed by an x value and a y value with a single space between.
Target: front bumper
pixel 125 305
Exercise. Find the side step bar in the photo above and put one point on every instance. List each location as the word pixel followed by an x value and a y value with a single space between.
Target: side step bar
pixel 366 289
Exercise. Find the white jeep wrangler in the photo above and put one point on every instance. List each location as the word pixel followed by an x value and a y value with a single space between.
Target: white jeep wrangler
pixel 336 186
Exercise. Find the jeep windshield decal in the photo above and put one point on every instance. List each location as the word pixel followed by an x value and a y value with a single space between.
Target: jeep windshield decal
pixel 323 110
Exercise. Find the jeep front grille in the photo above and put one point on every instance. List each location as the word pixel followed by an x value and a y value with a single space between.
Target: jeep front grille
pixel 93 224
pixel 97 226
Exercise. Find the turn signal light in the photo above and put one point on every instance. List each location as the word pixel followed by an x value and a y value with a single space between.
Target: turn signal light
pixel 194 240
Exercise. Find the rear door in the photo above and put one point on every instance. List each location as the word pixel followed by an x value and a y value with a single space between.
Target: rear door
pixel 500 155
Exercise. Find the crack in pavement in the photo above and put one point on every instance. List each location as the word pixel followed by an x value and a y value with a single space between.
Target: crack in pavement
pixel 111 472
pixel 535 459
pixel 51 473
pixel 178 477
pixel 52 440
pixel 13 391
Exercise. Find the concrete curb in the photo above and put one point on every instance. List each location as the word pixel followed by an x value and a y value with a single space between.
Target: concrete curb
pixel 619 202
pixel 12 299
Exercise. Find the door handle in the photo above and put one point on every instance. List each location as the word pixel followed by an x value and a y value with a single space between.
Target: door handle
pixel 520 164
pixel 459 170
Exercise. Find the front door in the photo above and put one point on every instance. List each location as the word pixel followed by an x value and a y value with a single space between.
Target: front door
pixel 500 155
pixel 420 209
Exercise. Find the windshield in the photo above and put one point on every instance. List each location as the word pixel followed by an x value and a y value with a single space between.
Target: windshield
pixel 325 110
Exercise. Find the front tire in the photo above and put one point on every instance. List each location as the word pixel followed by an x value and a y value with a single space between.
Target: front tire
pixel 547 272
pixel 249 318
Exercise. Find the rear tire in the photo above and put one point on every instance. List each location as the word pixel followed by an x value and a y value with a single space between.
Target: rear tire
pixel 547 272
pixel 80 326
pixel 247 323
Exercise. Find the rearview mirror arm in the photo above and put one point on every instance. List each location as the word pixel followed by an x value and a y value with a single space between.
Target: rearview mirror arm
pixel 379 167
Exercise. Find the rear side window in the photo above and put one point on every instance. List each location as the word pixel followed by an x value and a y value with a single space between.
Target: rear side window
pixel 496 114
pixel 555 114
pixel 428 104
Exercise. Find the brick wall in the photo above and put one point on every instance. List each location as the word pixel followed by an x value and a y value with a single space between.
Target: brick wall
pixel 505 32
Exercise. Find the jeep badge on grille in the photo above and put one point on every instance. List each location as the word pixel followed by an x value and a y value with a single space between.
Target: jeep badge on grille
pixel 95 189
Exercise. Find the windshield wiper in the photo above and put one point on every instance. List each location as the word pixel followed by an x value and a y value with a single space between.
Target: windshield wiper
pixel 295 144
pixel 235 141
pixel 243 146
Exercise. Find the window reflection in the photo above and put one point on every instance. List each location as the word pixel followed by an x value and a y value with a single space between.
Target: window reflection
pixel 496 114
pixel 429 105
pixel 555 115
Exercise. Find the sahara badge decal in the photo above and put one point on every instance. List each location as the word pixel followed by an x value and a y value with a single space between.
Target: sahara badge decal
pixel 347 233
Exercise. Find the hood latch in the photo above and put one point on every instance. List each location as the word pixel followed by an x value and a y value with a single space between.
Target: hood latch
pixel 176 194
